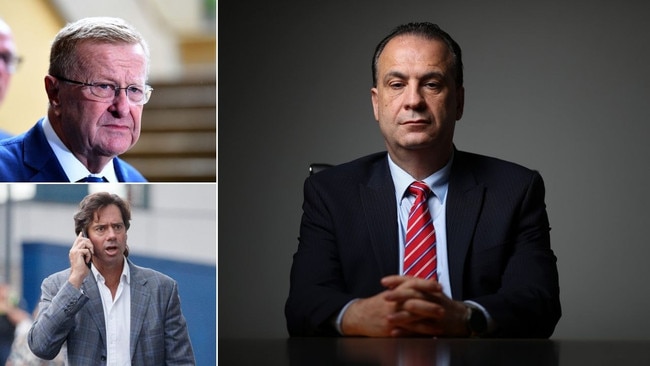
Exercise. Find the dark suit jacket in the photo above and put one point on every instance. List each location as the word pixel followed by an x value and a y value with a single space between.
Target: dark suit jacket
pixel 158 330
pixel 498 243
pixel 29 158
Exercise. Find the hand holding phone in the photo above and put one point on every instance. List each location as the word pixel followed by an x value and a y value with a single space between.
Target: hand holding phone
pixel 90 260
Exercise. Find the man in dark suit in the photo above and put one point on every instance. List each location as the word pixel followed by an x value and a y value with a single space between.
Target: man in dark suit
pixel 494 273
pixel 106 309
pixel 96 87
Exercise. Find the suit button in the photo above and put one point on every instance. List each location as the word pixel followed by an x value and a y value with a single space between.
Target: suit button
pixel 103 358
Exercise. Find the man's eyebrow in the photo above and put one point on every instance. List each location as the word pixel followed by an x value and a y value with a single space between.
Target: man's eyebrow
pixel 433 75
pixel 394 74
pixel 426 76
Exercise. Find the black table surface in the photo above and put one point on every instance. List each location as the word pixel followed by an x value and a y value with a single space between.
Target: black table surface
pixel 423 351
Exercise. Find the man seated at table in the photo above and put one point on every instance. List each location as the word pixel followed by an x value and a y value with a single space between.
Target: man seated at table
pixel 424 240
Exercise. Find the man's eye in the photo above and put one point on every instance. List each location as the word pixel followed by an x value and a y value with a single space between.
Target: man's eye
pixel 396 85
pixel 105 86
pixel 134 90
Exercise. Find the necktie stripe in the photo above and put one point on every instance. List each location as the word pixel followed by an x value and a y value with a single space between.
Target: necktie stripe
pixel 424 243
pixel 417 252
pixel 420 258
pixel 423 230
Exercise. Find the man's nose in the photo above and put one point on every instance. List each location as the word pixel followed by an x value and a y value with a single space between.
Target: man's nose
pixel 413 98
pixel 121 103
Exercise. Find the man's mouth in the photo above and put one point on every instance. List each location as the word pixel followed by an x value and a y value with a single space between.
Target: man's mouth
pixel 415 122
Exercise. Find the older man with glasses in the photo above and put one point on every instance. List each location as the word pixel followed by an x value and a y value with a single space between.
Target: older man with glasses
pixel 96 87
pixel 9 61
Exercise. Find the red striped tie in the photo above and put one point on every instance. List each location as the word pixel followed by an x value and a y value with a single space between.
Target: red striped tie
pixel 420 259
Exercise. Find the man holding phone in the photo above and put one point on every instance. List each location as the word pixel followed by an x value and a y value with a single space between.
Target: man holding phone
pixel 103 296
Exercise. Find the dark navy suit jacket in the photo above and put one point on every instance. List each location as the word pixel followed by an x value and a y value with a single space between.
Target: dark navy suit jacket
pixel 29 158
pixel 498 244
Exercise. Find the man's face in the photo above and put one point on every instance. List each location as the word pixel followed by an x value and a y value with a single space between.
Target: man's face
pixel 94 128
pixel 416 101
pixel 108 235
pixel 7 49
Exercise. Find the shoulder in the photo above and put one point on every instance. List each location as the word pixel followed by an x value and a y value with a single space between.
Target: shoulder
pixel 148 275
pixel 486 166
pixel 57 279
pixel 126 172
pixel 13 149
pixel 29 158
pixel 497 175
pixel 33 135
pixel 13 145
pixel 356 170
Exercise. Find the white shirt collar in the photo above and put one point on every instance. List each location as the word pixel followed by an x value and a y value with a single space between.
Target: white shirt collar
pixel 72 167
pixel 126 273
pixel 437 182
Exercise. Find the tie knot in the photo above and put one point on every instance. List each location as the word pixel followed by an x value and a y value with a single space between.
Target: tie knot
pixel 92 179
pixel 419 189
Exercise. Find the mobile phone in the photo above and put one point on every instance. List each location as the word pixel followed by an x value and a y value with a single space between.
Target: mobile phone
pixel 85 235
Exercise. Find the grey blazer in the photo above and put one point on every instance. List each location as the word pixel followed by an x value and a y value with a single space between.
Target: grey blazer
pixel 158 329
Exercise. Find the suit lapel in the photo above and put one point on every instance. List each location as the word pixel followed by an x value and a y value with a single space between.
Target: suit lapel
pixel 378 200
pixel 40 157
pixel 96 309
pixel 139 304
pixel 463 208
pixel 119 170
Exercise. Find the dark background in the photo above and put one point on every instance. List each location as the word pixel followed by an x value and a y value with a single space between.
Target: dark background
pixel 561 87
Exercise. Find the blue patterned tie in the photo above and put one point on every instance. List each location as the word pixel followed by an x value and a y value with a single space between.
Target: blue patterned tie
pixel 92 179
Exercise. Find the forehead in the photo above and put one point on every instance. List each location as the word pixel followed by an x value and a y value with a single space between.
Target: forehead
pixel 415 50
pixel 110 213
pixel 111 58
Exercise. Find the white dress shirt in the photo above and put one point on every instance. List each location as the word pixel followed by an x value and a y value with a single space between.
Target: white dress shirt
pixel 117 316
pixel 72 167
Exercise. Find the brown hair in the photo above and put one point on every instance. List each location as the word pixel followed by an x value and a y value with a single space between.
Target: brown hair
pixel 96 201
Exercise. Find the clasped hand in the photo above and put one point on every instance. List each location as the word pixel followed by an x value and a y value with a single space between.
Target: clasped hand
pixel 408 307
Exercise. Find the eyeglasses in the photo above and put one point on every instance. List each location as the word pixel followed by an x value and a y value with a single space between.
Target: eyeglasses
pixel 11 61
pixel 137 94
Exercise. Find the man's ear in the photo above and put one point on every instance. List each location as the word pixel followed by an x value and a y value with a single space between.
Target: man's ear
pixel 375 100
pixel 52 90
pixel 460 102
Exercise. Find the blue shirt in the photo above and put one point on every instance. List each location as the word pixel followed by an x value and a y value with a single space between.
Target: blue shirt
pixel 438 182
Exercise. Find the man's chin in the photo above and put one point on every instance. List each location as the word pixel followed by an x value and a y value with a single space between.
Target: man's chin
pixel 115 149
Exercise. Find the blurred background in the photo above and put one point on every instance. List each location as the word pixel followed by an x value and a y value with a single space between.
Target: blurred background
pixel 557 86
pixel 173 230
pixel 179 133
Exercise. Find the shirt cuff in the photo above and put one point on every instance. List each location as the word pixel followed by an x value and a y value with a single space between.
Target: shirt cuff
pixel 339 319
